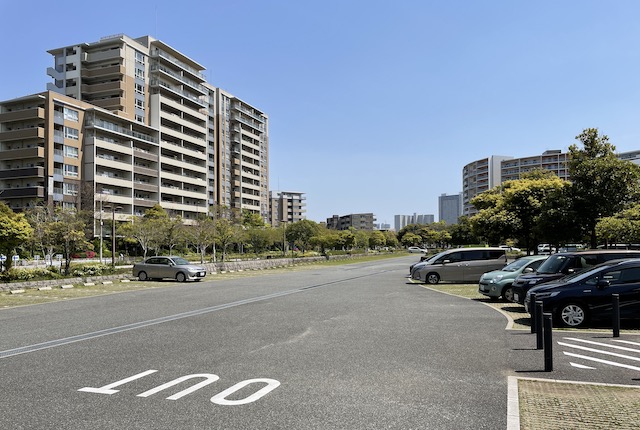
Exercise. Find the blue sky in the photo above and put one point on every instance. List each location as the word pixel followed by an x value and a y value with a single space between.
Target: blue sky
pixel 376 106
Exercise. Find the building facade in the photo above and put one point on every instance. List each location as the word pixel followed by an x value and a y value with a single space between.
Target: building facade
pixel 286 206
pixel 401 221
pixel 482 175
pixel 450 208
pixel 135 122
pixel 357 221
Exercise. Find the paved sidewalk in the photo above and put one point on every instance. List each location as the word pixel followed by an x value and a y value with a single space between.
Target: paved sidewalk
pixel 551 404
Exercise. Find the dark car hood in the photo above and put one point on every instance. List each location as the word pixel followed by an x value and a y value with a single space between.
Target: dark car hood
pixel 550 286
pixel 544 276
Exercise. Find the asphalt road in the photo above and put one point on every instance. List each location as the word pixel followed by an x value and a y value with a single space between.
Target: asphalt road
pixel 345 347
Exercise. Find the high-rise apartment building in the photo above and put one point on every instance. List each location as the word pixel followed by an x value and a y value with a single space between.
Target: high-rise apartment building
pixel 450 208
pixel 480 176
pixel 135 122
pixel 356 221
pixel 287 206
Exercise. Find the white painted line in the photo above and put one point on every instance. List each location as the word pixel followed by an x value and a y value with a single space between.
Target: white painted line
pixel 581 366
pixel 628 342
pixel 598 360
pixel 108 389
pixel 64 287
pixel 513 404
pixel 16 291
pixel 44 288
pixel 590 342
pixel 584 348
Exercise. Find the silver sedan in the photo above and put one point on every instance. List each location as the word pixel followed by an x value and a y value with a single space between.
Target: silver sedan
pixel 168 267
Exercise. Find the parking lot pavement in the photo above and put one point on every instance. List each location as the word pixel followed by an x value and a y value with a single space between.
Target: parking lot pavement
pixel 595 381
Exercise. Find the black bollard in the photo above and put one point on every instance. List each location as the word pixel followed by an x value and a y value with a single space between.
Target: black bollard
pixel 548 344
pixel 539 318
pixel 616 314
pixel 532 312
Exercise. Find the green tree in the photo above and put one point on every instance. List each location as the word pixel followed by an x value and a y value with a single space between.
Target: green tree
pixel 602 183
pixel 14 230
pixel 462 232
pixel 376 239
pixel 40 218
pixel 202 235
pixel 68 231
pixel 226 233
pixel 301 232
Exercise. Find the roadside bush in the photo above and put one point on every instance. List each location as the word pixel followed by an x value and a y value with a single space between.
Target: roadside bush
pixel 91 270
pixel 21 274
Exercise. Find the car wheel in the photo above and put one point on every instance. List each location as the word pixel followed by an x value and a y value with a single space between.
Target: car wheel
pixel 180 277
pixel 433 278
pixel 142 276
pixel 572 315
pixel 507 294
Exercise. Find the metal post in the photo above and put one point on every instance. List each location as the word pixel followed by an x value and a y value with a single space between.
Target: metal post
pixel 539 324
pixel 616 314
pixel 532 312
pixel 101 223
pixel 548 343
pixel 113 236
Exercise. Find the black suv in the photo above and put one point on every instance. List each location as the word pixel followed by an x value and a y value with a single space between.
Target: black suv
pixel 563 264
pixel 579 299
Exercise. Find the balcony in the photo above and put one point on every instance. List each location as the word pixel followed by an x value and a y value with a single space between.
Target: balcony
pixel 22 115
pixel 102 72
pixel 18 154
pixel 22 134
pixel 105 87
pixel 23 192
pixel 25 172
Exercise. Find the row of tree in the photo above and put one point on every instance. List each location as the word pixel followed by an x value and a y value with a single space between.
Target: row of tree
pixel 599 205
pixel 49 230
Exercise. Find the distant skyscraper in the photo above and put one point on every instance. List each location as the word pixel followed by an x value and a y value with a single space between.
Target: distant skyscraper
pixel 450 208
pixel 401 221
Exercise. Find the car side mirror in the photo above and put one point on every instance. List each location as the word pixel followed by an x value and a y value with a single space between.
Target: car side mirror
pixel 528 270
pixel 446 261
pixel 570 271
pixel 603 283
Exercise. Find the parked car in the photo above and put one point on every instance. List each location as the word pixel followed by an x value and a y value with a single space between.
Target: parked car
pixel 577 300
pixel 498 283
pixel 563 264
pixel 511 248
pixel 176 268
pixel 416 249
pixel 459 265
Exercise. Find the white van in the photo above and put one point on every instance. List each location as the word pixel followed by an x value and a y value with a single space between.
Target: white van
pixel 459 265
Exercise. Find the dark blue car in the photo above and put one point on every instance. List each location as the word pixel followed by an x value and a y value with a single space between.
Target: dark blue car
pixel 577 300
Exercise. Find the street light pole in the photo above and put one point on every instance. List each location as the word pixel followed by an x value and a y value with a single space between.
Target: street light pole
pixel 113 233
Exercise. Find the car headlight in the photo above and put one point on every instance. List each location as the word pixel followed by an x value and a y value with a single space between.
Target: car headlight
pixel 498 278
pixel 534 281
pixel 540 296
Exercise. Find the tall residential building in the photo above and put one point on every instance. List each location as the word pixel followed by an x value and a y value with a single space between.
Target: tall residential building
pixel 487 173
pixel 480 176
pixel 287 206
pixel 450 208
pixel 357 221
pixel 135 122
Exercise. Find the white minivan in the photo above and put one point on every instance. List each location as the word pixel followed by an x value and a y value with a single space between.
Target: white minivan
pixel 459 265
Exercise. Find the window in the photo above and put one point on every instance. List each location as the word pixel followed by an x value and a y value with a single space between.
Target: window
pixel 70 189
pixel 139 88
pixel 70 133
pixel 140 104
pixel 68 205
pixel 139 73
pixel 140 58
pixel 70 170
pixel 70 114
pixel 70 151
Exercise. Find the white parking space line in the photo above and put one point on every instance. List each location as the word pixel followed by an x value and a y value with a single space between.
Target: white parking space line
pixel 584 348
pixel 606 345
pixel 581 366
pixel 598 360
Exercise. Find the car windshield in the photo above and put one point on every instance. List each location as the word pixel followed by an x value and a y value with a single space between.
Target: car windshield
pixel 433 258
pixel 553 264
pixel 580 276
pixel 516 265
pixel 180 261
